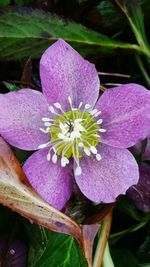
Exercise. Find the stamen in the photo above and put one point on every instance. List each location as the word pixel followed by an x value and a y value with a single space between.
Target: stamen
pixel 49 156
pixel 70 101
pixel 93 150
pixel 80 105
pixel 98 157
pixel 87 151
pixel 47 124
pixel 102 130
pixel 54 158
pixel 47 119
pixel 87 106
pixel 99 121
pixel 73 133
pixel 64 161
pixel 94 111
pixel 52 110
pixel 43 145
pixel 44 130
pixel 57 105
pixel 78 171
pixel 81 144
pixel 97 114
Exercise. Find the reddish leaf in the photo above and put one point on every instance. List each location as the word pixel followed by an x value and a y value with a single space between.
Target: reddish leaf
pixel 16 194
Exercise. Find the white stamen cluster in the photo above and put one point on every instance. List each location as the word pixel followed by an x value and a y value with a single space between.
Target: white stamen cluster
pixel 73 133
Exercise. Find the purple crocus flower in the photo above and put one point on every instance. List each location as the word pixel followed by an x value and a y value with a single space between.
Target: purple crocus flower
pixel 74 130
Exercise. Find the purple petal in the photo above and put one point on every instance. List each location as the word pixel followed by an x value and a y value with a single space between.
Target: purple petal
pixel 65 73
pixel 104 180
pixel 126 115
pixel 20 118
pixel 50 180
pixel 140 193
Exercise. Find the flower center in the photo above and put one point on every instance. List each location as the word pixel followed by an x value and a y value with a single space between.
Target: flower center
pixel 73 134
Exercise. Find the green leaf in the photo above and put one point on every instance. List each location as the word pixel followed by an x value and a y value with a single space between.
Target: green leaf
pixel 11 86
pixel 38 241
pixel 61 251
pixel 21 2
pixel 51 249
pixel 134 13
pixel 124 258
pixel 27 32
pixel 143 253
pixel 126 205
pixel 107 10
pixel 4 2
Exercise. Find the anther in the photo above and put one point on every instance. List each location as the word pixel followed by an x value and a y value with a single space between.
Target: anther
pixel 48 156
pixel 87 106
pixel 102 130
pixel 80 105
pixel 44 130
pixel 70 101
pixel 57 105
pixel 51 109
pixel 94 111
pixel 78 171
pixel 64 161
pixel 99 121
pixel 97 114
pixel 98 157
pixel 81 144
pixel 87 151
pixel 46 119
pixel 93 150
pixel 43 145
pixel 47 124
pixel 54 158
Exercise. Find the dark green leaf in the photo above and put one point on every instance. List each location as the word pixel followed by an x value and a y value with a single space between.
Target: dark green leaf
pixel 51 249
pixel 27 32
pixel 22 2
pixel 38 242
pixel 124 258
pixel 107 10
pixel 125 205
pixel 143 253
pixel 4 2
pixel 135 16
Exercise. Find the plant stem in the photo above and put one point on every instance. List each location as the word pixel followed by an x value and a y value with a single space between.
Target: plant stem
pixel 103 237
pixel 142 68
pixel 107 260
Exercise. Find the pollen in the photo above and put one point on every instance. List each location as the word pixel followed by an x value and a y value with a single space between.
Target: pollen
pixel 73 134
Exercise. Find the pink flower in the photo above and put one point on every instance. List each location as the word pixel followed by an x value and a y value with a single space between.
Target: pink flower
pixel 76 134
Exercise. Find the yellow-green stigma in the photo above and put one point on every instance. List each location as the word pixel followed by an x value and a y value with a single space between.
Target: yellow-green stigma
pixel 73 134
